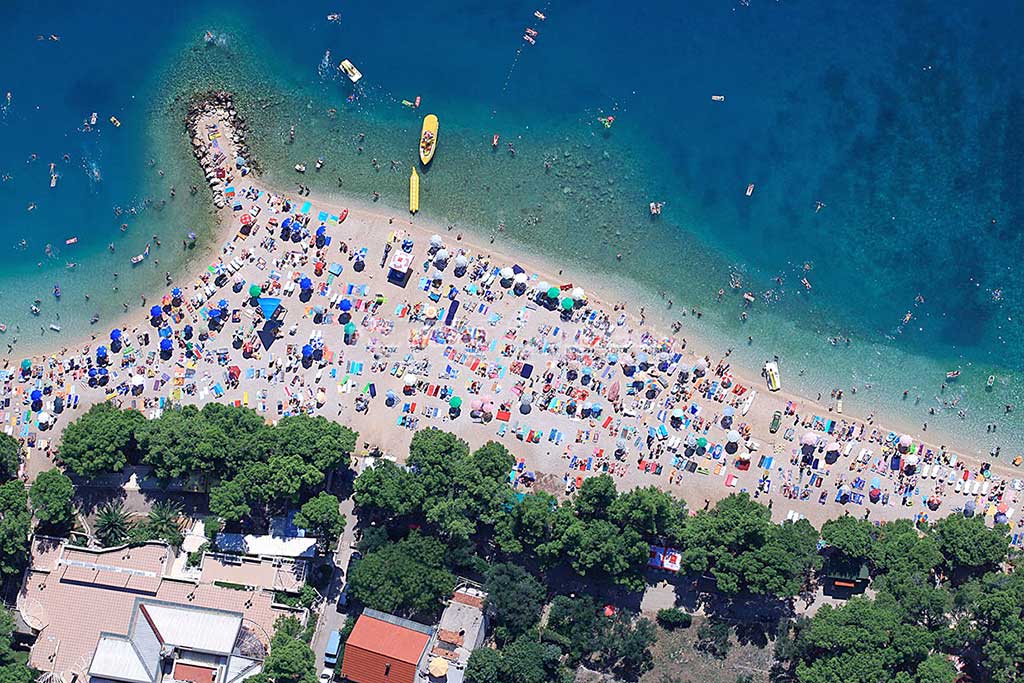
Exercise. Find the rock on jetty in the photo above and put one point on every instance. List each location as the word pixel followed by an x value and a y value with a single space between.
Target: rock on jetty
pixel 214 112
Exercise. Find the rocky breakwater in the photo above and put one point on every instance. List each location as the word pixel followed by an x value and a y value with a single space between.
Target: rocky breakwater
pixel 217 131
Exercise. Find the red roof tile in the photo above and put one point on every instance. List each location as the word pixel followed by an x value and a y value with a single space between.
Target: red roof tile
pixel 380 652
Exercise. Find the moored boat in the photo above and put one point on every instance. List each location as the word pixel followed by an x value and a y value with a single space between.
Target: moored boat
pixel 350 70
pixel 771 375
pixel 414 191
pixel 343 215
pixel 428 139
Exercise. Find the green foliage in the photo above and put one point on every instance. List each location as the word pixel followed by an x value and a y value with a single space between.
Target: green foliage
pixel 229 500
pixel 624 646
pixel 13 667
pixel 899 547
pixel 163 523
pixel 320 515
pixel 515 598
pixel 851 536
pixel 407 577
pixel 598 548
pixel 100 440
pixel 387 490
pixel 737 543
pixel 180 443
pixel 992 630
pixel 651 512
pixel 484 666
pixel 290 660
pixel 713 639
pixel 672 618
pixel 523 661
pixel 51 495
pixel 968 545
pixel 15 524
pixel 112 524
pixel 528 524
pixel 577 620
pixel 316 440
pixel 10 457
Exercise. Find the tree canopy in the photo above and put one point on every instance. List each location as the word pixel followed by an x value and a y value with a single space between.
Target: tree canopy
pixel 406 577
pixel 101 440
pixel 10 457
pixel 321 516
pixel 515 598
pixel 13 664
pixel 15 524
pixel 51 495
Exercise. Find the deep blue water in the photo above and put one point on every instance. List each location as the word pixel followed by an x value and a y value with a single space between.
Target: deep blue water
pixel 903 118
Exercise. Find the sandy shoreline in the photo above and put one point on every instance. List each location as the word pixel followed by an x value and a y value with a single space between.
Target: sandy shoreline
pixel 369 225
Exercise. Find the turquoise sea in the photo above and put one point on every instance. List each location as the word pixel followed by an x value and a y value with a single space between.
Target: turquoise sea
pixel 902 118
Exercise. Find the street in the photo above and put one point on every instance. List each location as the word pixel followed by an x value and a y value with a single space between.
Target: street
pixel 330 619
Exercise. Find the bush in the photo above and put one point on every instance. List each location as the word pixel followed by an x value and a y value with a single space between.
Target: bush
pixel 211 527
pixel 713 639
pixel 673 618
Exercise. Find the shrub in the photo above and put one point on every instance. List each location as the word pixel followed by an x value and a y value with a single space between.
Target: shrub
pixel 673 618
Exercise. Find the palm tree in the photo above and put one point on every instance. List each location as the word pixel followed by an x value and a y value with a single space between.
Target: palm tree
pixel 163 522
pixel 112 523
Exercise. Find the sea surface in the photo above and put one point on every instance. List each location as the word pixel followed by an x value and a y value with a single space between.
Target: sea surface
pixel 900 120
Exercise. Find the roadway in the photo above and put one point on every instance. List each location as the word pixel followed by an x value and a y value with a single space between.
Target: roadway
pixel 330 619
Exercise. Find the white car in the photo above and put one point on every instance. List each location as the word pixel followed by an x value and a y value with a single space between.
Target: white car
pixel 326 676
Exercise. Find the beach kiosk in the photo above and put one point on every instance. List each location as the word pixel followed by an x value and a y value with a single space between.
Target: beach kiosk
pixel 400 268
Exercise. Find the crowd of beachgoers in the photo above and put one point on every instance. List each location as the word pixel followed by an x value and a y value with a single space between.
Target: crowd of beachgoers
pixel 383 325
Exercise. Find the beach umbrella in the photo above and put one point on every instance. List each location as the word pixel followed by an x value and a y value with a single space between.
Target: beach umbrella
pixel 733 436
pixel 507 273
pixel 702 442
pixel 155 312
pixel 678 413
pixel 214 313
pixel 568 304
pixel 1000 518
pixel 187 332
pixel 26 364
pixel 345 305
pixel 222 304
pixel 305 284
pixel 553 292
pixel 455 402
pixel 691 440
pixel 906 441
pixel 520 278
pixel 350 329
pixel 436 241
pixel 269 306
pixel 166 345
pixel 115 335
pixel 441 256
pixel 255 290
pixel 138 380
pixel 488 407
pixel 911 460
pixel 93 372
pixel 701 366
pixel 307 351
pixel 321 231
pixel 809 439
pixel 410 380
pixel 101 352
pixel 728 411
pixel 461 261
pixel 36 395
pixel 832 447
pixel 176 292
pixel 44 417
pixel 579 294
pixel 476 404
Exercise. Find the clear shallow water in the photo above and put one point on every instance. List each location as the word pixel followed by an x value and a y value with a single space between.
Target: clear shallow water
pixel 902 122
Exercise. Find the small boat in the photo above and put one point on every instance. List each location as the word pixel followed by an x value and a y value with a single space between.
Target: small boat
pixel 53 179
pixel 139 258
pixel 718 98
pixel 34 309
pixel 414 191
pixel 428 139
pixel 343 215
pixel 539 15
pixel 113 120
pixel 319 163
pixel 952 374
pixel 750 189
pixel 350 70
pixel 748 402
pixel 301 168
pixel 656 208
pixel 56 291
pixel 334 17
pixel 3 327
pixel 71 240
pixel 771 375
pixel 494 140
pixel 805 282
pixel 55 327
pixel 991 381
pixel 92 119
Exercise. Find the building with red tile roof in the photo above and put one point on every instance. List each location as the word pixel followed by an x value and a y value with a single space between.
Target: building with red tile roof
pixel 384 649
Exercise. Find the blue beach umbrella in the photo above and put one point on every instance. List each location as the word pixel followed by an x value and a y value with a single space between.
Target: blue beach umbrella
pixel 155 312
pixel 286 223
pixel 222 304
pixel 306 284
pixel 307 351
pixel 187 332
pixel 101 352
pixel 269 306
pixel 613 358
pixel 345 305
pixel 36 395
pixel 215 313
pixel 166 345
pixel 93 372
pixel 165 331
pixel 321 231
pixel 115 335
pixel 176 292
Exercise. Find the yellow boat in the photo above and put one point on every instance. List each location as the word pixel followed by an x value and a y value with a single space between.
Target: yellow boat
pixel 350 70
pixel 414 191
pixel 428 139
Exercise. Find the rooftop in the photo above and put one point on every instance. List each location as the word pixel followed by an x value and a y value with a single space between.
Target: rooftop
pixel 384 649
